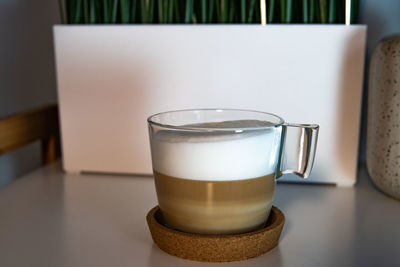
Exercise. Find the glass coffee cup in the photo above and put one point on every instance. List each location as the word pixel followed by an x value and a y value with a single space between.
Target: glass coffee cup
pixel 215 170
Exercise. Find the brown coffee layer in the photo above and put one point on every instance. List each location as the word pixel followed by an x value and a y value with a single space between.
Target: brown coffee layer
pixel 215 207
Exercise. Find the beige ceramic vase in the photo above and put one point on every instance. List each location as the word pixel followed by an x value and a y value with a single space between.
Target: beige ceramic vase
pixel 383 135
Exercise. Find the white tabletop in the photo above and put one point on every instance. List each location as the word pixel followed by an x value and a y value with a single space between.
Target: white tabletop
pixel 49 218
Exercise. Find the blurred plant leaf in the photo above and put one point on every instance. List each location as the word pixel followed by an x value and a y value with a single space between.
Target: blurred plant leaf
pixel 203 11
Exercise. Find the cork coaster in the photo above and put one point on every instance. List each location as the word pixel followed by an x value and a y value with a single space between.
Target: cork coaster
pixel 216 248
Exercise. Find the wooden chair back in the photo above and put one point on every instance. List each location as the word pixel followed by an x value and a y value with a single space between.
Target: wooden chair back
pixel 26 127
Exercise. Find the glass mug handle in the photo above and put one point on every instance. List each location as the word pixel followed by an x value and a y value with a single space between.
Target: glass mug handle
pixel 298 149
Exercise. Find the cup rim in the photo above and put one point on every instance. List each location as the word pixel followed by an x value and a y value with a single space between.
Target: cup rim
pixel 151 121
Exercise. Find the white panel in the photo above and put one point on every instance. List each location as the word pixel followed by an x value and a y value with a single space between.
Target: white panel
pixel 111 78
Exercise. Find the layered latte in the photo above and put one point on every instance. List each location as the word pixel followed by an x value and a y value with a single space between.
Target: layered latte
pixel 216 182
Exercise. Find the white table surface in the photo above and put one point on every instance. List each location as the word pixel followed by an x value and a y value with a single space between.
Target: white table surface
pixel 49 218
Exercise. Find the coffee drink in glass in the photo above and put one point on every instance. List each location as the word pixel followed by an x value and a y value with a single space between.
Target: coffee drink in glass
pixel 215 170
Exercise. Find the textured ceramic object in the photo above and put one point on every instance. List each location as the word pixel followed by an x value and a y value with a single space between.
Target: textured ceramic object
pixel 383 136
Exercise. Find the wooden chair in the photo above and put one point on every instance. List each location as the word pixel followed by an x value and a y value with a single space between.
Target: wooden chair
pixel 26 127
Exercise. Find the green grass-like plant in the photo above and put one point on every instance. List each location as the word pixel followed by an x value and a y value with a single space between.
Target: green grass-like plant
pixel 203 11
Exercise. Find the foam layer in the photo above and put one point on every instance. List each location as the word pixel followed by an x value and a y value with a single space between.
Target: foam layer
pixel 216 156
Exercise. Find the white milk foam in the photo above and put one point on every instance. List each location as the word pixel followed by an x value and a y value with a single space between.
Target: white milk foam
pixel 216 156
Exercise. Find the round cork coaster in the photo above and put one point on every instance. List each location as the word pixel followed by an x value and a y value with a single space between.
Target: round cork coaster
pixel 216 248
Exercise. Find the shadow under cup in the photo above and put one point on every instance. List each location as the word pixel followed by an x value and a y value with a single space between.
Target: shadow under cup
pixel 215 170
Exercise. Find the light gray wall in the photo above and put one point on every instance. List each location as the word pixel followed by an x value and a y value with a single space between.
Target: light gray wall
pixel 27 76
pixel 382 18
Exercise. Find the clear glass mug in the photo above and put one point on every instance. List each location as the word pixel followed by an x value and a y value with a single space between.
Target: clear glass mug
pixel 215 169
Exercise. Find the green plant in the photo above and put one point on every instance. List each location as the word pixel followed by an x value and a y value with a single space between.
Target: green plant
pixel 203 11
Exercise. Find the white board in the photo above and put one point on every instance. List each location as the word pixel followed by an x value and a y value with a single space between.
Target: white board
pixel 111 78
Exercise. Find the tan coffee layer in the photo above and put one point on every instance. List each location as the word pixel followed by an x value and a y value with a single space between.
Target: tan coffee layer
pixel 209 207
pixel 216 248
